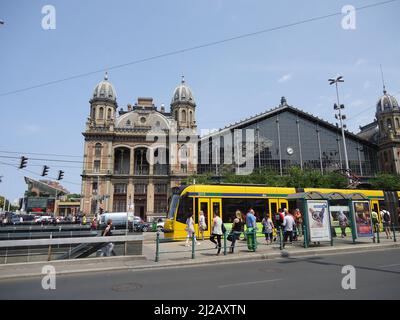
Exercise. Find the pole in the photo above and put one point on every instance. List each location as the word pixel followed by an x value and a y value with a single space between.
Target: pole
pixel 225 243
pixel 158 246
pixel 346 159
pixel 258 149
pixel 193 244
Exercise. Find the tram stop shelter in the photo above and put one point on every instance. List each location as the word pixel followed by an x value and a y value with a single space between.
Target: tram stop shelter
pixel 324 212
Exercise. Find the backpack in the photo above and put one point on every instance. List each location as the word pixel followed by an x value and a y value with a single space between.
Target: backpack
pixel 223 228
pixel 386 216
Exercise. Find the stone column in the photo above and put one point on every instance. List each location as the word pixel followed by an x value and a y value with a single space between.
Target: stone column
pixel 132 162
pixel 150 198
pixel 130 193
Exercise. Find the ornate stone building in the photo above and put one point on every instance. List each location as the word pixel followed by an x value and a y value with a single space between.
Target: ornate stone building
pixel 133 157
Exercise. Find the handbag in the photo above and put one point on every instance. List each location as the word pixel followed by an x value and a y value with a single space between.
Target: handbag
pixel 230 237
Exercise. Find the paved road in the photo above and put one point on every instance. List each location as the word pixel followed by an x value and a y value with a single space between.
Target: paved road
pixel 377 277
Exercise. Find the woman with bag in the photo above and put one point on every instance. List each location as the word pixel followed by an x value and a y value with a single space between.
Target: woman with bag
pixel 268 227
pixel 202 224
pixel 236 230
pixel 190 230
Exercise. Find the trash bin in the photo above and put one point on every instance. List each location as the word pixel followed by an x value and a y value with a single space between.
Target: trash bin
pixel 251 239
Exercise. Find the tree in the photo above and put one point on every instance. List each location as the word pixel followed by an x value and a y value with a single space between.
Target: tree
pixel 386 181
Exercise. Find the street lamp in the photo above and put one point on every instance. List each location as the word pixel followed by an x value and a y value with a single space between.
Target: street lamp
pixel 338 107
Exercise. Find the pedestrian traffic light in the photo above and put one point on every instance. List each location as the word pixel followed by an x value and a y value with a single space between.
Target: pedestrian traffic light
pixel 23 162
pixel 45 170
pixel 60 175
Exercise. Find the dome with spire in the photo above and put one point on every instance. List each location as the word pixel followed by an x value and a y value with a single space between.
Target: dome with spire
pixel 386 103
pixel 183 94
pixel 105 90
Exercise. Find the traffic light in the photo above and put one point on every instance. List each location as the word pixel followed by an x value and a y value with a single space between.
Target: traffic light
pixel 45 170
pixel 60 175
pixel 23 162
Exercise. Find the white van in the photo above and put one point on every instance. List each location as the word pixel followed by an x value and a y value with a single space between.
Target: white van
pixel 118 219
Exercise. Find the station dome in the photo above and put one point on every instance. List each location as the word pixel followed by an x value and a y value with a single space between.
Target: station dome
pixel 183 94
pixel 386 103
pixel 105 90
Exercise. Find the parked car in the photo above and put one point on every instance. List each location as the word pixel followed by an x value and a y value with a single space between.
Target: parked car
pixel 158 224
pixel 142 227
pixel 43 219
pixel 118 220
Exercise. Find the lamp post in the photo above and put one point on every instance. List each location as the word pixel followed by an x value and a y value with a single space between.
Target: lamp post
pixel 338 107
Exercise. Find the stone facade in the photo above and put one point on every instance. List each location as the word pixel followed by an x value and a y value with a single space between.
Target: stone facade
pixel 133 157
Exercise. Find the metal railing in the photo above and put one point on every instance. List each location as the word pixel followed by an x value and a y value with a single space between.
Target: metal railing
pixel 31 247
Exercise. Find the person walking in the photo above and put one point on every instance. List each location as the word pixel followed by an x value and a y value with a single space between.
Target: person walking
pixel 108 249
pixel 387 221
pixel 299 222
pixel 93 226
pixel 202 224
pixel 268 227
pixel 190 230
pixel 236 230
pixel 343 222
pixel 288 225
pixel 375 222
pixel 217 232
pixel 84 220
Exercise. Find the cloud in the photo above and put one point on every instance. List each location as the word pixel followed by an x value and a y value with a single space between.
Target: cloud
pixel 285 78
pixel 359 62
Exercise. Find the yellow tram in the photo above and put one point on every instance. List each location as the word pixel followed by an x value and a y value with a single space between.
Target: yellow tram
pixel 225 199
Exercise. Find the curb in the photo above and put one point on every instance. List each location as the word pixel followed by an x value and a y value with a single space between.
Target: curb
pixel 199 262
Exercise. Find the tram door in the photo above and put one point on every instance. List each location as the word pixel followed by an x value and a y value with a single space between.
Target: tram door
pixel 276 204
pixel 204 205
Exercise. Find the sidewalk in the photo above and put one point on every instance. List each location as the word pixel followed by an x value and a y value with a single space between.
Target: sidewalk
pixel 176 254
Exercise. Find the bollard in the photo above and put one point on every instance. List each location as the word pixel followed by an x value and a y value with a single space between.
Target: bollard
pixel 193 244
pixel 394 233
pixel 255 239
pixel 158 247
pixel 49 251
pixel 305 237
pixel 225 243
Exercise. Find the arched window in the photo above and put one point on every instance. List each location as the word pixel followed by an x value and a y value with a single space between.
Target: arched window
pixel 190 116
pixel 97 150
pixel 389 123
pixel 93 112
pixel 183 116
pixel 128 123
pixel 108 114
pixel 397 123
pixel 101 113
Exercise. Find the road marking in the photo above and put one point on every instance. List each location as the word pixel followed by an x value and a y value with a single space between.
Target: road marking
pixel 247 283
pixel 390 265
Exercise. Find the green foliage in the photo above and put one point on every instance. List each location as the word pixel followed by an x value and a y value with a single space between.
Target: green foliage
pixel 296 178
pixel 386 181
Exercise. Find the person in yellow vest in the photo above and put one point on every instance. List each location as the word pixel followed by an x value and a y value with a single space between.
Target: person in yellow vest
pixel 84 219
pixel 375 221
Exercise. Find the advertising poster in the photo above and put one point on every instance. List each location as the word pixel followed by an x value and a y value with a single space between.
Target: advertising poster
pixel 362 217
pixel 319 220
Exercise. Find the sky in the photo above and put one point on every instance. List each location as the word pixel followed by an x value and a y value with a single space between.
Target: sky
pixel 231 81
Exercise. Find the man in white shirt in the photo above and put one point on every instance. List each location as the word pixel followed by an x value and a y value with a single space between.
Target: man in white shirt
pixel 288 225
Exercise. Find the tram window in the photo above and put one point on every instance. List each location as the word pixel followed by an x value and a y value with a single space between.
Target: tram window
pixel 185 209
pixel 196 212
pixel 260 207
pixel 274 207
pixel 216 208
pixel 204 208
pixel 283 205
pixel 229 207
